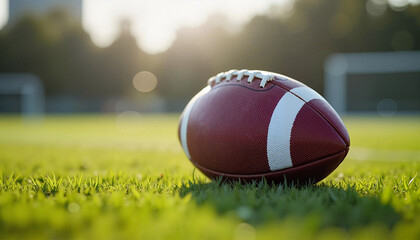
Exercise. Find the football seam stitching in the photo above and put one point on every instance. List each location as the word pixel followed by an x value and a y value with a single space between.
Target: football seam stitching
pixel 239 85
pixel 227 76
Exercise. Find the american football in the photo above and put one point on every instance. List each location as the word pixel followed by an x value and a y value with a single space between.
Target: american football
pixel 252 125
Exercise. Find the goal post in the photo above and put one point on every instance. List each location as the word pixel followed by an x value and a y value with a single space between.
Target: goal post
pixel 22 93
pixel 338 67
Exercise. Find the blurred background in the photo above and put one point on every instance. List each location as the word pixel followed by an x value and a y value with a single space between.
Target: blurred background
pixel 114 56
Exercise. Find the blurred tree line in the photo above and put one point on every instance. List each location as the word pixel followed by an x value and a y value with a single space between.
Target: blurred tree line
pixel 295 42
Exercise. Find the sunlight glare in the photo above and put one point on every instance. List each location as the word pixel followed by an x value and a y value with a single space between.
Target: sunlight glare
pixel 145 81
pixel 155 22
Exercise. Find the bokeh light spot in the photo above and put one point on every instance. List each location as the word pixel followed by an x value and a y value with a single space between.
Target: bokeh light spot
pixel 244 212
pixel 245 231
pixel 145 81
pixel 376 7
pixel 387 107
pixel 73 207
pixel 399 5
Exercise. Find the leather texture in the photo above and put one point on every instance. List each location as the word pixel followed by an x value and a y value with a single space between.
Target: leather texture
pixel 228 126
pixel 313 138
pixel 309 173
pixel 227 129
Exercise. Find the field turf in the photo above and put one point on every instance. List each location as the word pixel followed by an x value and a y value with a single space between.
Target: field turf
pixel 108 177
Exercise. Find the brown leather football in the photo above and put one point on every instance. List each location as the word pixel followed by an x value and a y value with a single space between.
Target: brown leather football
pixel 249 125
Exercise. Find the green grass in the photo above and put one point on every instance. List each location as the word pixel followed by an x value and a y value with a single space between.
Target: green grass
pixel 103 177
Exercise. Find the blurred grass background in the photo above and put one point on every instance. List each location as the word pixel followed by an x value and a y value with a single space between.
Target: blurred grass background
pixel 94 176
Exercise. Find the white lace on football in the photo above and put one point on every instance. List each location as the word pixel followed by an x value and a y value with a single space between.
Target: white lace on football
pixel 239 75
